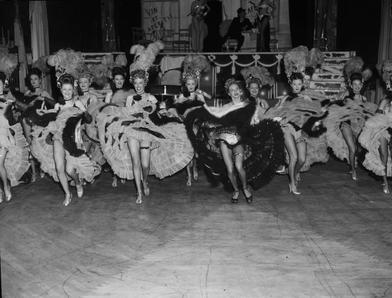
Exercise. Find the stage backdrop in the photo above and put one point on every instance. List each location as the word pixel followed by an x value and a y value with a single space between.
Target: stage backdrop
pixel 174 14
pixel 280 20
pixel 160 15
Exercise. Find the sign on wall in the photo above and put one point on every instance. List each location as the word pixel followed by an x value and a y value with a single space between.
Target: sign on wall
pixel 158 16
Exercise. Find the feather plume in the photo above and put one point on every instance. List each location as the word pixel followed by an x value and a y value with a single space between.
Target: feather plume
pixel 258 72
pixel 355 64
pixel 66 61
pixel 42 64
pixel 316 58
pixel 8 63
pixel 144 57
pixel 194 65
pixel 295 60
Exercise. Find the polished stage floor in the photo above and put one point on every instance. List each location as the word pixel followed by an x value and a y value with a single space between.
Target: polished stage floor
pixel 335 240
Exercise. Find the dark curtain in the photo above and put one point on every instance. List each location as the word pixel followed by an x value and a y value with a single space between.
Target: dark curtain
pixel 74 24
pixel 358 28
pixel 213 41
pixel 127 14
pixel 301 22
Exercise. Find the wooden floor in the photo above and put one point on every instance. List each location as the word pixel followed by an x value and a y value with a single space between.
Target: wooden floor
pixel 335 240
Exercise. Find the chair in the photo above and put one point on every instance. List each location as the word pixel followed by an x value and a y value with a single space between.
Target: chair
pixel 230 45
pixel 167 37
pixel 182 41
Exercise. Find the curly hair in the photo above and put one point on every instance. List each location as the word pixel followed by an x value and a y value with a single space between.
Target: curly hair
pixel 253 80
pixel 356 76
pixel 193 75
pixel 239 83
pixel 296 76
pixel 139 74
pixel 66 79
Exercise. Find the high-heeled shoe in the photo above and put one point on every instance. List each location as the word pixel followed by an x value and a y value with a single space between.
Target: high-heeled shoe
pixel 249 197
pixel 385 188
pixel 67 200
pixel 235 196
pixel 114 182
pixel 281 171
pixel 146 189
pixel 189 181
pixel 139 199
pixel 122 181
pixel 195 175
pixel 79 190
pixel 8 195
pixel 354 175
pixel 293 190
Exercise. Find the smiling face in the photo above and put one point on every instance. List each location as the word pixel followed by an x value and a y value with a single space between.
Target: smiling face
pixel 235 92
pixel 84 84
pixel 35 81
pixel 191 85
pixel 297 85
pixel 139 84
pixel 67 91
pixel 356 85
pixel 119 81
pixel 254 89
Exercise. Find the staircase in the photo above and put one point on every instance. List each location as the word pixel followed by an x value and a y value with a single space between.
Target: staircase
pixel 329 79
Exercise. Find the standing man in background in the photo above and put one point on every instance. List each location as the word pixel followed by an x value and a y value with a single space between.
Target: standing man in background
pixel 262 23
pixel 237 26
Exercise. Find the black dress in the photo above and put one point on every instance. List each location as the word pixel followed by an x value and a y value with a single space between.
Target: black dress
pixel 263 142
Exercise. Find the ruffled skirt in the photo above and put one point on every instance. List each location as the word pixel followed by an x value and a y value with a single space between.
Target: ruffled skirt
pixel 376 128
pixel 42 148
pixel 351 114
pixel 171 150
pixel 17 158
pixel 263 144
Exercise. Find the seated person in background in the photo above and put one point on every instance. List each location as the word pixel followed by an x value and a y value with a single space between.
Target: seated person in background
pixel 237 26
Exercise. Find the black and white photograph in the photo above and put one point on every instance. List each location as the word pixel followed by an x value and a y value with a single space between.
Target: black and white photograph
pixel 195 148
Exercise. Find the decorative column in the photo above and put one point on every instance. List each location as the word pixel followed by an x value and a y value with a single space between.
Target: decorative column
pixel 39 35
pixel 107 25
pixel 325 18
pixel 283 31
pixel 19 42
pixel 385 41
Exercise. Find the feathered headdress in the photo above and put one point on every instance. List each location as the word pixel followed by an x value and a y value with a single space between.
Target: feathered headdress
pixel 315 59
pixel 295 60
pixel 42 64
pixel 193 66
pixel 257 72
pixel 8 63
pixel 66 61
pixel 301 59
pixel 387 73
pixel 101 72
pixel 145 57
pixel 354 65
